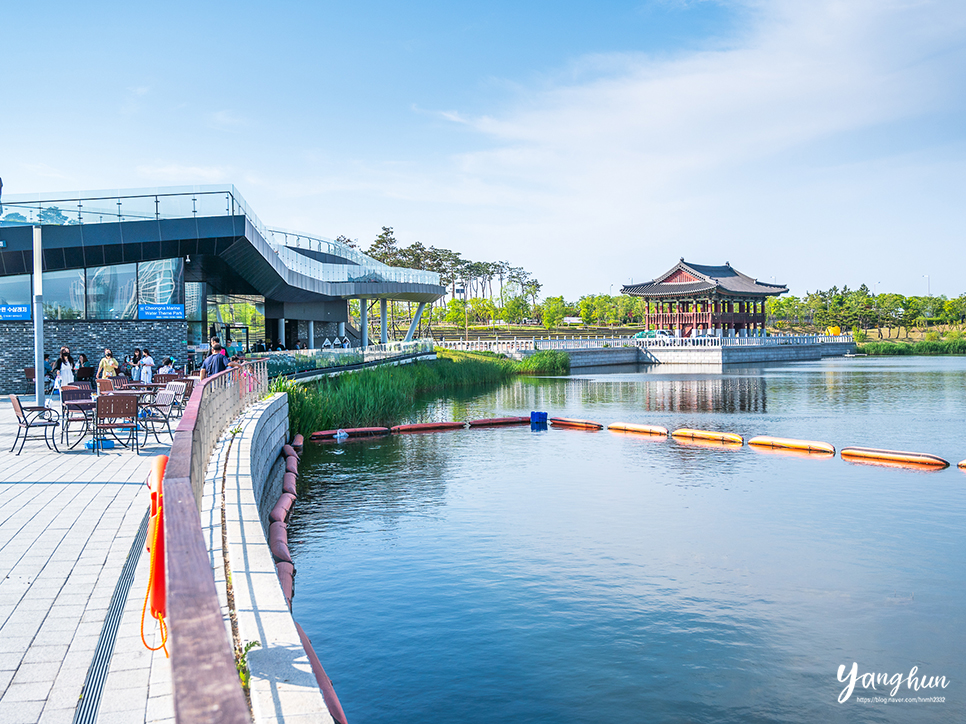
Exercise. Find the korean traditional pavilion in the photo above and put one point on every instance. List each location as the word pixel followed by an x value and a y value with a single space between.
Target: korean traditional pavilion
pixel 696 299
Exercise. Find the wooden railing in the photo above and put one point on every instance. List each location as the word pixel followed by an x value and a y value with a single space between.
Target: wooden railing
pixel 205 682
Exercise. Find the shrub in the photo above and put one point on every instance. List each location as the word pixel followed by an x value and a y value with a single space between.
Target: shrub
pixel 546 362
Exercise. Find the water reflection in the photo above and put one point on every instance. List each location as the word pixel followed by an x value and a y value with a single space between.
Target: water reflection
pixel 476 575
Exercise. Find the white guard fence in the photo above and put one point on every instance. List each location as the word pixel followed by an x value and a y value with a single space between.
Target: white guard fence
pixel 515 344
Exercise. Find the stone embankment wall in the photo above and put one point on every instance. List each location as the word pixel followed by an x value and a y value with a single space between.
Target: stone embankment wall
pixel 283 686
pixel 701 355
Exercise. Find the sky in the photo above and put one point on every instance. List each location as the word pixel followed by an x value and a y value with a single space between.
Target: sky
pixel 813 143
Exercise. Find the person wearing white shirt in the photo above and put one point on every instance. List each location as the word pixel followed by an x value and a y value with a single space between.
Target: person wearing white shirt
pixel 147 366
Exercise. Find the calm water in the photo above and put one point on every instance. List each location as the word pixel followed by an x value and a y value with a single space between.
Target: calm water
pixel 568 576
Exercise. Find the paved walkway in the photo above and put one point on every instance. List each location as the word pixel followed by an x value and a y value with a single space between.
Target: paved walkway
pixel 67 524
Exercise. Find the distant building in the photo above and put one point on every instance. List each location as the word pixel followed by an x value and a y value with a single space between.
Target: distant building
pixel 697 299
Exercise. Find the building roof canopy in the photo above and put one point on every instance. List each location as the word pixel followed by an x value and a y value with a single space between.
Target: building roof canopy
pixel 700 280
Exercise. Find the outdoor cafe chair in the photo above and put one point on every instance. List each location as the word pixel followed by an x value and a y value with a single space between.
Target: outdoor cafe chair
pixel 116 413
pixel 85 374
pixel 29 373
pixel 70 413
pixel 34 418
pixel 165 378
pixel 157 414
pixel 180 396
pixel 104 385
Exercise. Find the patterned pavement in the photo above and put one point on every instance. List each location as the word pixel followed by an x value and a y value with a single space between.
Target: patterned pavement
pixel 67 524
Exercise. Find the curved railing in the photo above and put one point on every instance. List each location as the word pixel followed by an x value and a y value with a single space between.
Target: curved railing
pixel 575 343
pixel 205 682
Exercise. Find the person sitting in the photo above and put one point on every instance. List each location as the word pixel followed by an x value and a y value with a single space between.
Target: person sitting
pixel 215 362
pixel 167 367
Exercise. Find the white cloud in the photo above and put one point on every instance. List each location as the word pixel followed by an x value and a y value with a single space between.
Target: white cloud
pixel 726 154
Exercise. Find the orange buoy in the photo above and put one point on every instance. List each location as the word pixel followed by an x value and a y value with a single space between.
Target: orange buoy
pixel 712 444
pixel 786 443
pixel 963 465
pixel 725 437
pixel 497 421
pixel 569 422
pixel 428 427
pixel 642 429
pixel 893 457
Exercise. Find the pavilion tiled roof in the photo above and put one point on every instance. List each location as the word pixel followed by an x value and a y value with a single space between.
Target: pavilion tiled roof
pixel 686 279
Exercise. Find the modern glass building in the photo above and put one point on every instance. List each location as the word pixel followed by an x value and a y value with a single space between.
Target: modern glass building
pixel 166 268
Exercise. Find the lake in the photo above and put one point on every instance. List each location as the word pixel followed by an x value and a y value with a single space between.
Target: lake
pixel 573 576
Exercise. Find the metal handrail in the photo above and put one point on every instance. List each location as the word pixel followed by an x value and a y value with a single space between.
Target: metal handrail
pixel 205 682
pixel 577 343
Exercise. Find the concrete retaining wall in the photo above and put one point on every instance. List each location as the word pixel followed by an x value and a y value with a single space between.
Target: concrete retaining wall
pixel 701 355
pixel 283 687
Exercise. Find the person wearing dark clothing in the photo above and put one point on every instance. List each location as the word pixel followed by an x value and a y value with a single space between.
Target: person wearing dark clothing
pixel 215 362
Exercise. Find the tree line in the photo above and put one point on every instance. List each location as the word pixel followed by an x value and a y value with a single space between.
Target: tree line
pixel 861 309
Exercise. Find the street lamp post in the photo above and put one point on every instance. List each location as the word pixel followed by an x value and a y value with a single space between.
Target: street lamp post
pixel 928 291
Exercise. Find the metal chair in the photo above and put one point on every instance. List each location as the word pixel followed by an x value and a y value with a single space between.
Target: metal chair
pixel 156 414
pixel 31 418
pixel 71 413
pixel 104 385
pixel 116 412
pixel 178 388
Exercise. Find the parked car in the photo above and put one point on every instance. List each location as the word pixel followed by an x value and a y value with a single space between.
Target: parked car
pixel 658 334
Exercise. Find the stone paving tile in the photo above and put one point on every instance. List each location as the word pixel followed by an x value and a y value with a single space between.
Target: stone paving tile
pixel 67 523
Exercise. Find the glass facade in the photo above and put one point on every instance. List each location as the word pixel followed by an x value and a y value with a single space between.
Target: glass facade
pixel 194 301
pixel 15 299
pixel 238 319
pixel 161 282
pixel 64 294
pixel 112 292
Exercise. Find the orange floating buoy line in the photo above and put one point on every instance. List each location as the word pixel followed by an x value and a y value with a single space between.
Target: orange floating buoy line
pixel 963 465
pixel 429 427
pixel 708 435
pixel 641 429
pixel 893 457
pixel 580 424
pixel 499 421
pixel 157 589
pixel 785 443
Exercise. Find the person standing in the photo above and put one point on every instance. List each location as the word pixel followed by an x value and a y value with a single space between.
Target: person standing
pixel 215 362
pixel 108 365
pixel 147 367
pixel 136 365
pixel 63 369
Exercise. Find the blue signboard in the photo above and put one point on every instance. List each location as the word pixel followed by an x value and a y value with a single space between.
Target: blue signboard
pixel 12 312
pixel 160 311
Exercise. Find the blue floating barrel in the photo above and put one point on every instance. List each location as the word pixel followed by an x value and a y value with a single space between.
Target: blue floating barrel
pixel 538 418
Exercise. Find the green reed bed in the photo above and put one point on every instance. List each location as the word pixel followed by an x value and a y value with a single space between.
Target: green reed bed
pixel 924 347
pixel 381 396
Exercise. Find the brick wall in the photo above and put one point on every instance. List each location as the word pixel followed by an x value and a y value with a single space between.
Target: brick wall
pixel 164 339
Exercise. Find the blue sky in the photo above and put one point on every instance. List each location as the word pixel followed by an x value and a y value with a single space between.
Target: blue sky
pixel 817 142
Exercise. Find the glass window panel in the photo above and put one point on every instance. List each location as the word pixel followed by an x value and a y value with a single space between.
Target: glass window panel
pixel 230 314
pixel 194 301
pixel 64 294
pixel 112 292
pixel 161 289
pixel 15 299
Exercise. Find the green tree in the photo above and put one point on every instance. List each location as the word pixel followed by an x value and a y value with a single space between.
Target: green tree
pixel 554 310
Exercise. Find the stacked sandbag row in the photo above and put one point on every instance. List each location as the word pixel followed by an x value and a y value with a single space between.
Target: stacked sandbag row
pixel 278 521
